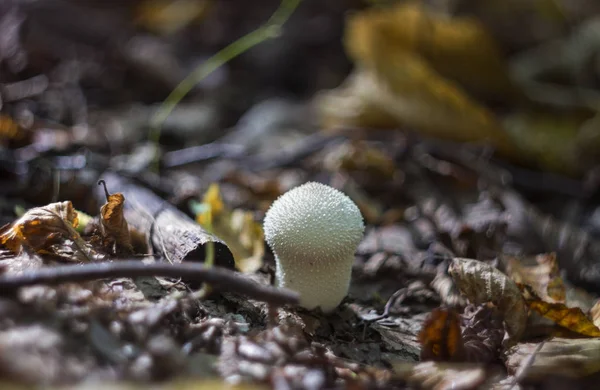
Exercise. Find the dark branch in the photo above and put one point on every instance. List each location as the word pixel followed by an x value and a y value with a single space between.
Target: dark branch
pixel 220 278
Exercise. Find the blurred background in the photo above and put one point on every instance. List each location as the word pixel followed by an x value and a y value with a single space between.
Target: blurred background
pixel 514 81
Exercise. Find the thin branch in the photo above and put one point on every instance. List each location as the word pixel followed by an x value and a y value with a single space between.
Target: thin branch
pixel 271 29
pixel 218 277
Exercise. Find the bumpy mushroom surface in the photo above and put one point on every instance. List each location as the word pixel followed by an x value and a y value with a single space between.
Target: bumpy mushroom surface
pixel 314 231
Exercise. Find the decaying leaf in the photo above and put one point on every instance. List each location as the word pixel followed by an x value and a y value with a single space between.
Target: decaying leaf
pixel 441 338
pixel 9 129
pixel 482 334
pixel 459 49
pixel 113 225
pixel 402 55
pixel 359 156
pixel 482 283
pixel 49 230
pixel 21 263
pixel 572 318
pixel 574 358
pixel 556 141
pixel 441 376
pixel 244 236
pixel 169 16
pixel 595 313
pixel 543 278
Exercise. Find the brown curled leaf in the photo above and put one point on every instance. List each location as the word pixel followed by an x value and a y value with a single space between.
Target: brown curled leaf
pixel 482 283
pixel 113 225
pixel 440 337
pixel 49 230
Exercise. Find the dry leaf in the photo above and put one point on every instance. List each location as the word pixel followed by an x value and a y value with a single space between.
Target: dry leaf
pixel 543 278
pixel 169 16
pixel 456 48
pixel 49 230
pixel 482 283
pixel 595 313
pixel 113 225
pixel 572 318
pixel 573 358
pixel 482 334
pixel 243 235
pixel 359 156
pixel 441 338
pixel 560 142
pixel 9 129
pixel 394 83
pixel 441 376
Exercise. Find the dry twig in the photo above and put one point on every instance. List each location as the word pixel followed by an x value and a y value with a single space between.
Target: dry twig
pixel 218 277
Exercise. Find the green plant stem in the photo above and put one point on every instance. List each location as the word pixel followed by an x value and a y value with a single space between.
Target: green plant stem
pixel 271 29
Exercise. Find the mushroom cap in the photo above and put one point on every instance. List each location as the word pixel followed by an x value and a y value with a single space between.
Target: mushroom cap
pixel 314 230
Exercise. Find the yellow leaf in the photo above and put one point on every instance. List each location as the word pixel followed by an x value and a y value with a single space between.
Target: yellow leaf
pixel 458 49
pixel 398 81
pixel 243 236
pixel 169 16
pixel 571 318
pixel 213 205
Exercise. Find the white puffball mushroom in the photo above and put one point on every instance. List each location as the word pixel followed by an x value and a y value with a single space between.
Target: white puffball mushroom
pixel 314 231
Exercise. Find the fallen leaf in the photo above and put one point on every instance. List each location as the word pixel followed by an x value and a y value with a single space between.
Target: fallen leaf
pixel 482 283
pixel 442 376
pixel 169 16
pixel 457 48
pixel 574 358
pixel 359 156
pixel 242 234
pixel 441 338
pixel 22 263
pixel 544 277
pixel 572 318
pixel 558 142
pixel 49 230
pixel 482 333
pixel 402 55
pixel 9 129
pixel 113 225
pixel 595 313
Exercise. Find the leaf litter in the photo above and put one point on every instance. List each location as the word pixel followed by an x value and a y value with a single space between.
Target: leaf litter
pixel 469 275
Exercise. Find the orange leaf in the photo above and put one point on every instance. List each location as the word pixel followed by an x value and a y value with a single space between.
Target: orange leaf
pixel 572 318
pixel 114 228
pixel 48 230
pixel 441 338
pixel 9 129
